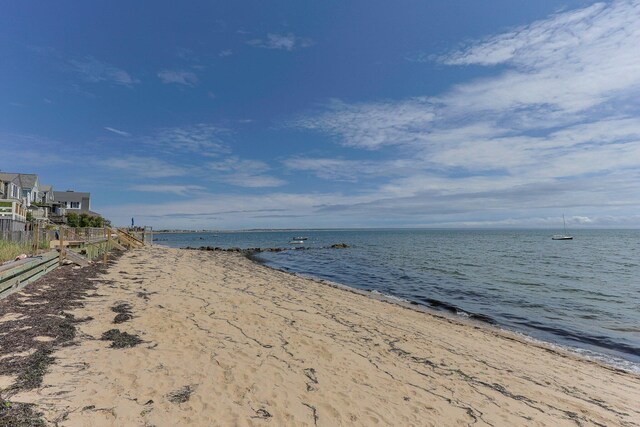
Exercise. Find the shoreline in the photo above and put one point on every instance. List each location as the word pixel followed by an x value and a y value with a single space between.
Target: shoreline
pixel 602 359
pixel 446 310
pixel 223 340
pixel 456 314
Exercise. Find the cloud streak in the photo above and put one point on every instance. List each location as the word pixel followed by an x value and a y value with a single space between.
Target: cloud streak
pixel 559 110
pixel 288 41
pixel 181 77
pixel 244 173
pixel 202 139
pixel 95 71
pixel 146 167
pixel 117 131
pixel 180 190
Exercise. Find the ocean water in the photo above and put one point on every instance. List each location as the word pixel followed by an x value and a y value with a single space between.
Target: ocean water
pixel 583 294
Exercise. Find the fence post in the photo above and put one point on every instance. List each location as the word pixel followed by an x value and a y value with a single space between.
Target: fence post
pixel 36 236
pixel 61 241
pixel 106 249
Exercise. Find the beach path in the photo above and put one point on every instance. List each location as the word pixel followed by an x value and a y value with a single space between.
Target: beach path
pixel 230 342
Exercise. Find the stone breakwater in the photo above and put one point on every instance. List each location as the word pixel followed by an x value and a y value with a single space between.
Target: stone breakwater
pixel 249 251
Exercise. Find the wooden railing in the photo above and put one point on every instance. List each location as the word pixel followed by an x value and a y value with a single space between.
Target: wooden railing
pixel 78 246
pixel 18 274
pixel 129 240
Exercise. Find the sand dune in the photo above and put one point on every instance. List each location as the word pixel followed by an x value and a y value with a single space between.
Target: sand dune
pixel 228 342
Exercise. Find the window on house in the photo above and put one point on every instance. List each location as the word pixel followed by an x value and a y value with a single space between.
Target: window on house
pixel 75 205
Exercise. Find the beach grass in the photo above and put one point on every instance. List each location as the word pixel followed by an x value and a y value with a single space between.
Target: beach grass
pixel 10 250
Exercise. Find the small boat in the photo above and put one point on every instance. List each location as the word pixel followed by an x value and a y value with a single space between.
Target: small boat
pixel 561 237
pixel 299 238
pixel 296 242
pixel 564 236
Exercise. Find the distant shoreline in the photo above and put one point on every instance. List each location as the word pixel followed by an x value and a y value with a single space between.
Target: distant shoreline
pixel 293 230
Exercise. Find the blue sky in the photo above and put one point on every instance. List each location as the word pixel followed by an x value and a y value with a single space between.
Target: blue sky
pixel 227 115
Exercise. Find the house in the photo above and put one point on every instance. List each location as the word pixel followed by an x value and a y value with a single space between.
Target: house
pixel 29 184
pixel 73 201
pixel 44 204
pixel 24 188
pixel 45 196
pixel 13 212
pixel 67 202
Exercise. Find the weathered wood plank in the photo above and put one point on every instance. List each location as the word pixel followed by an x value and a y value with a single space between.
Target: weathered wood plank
pixel 76 258
pixel 17 267
pixel 25 277
pixel 117 246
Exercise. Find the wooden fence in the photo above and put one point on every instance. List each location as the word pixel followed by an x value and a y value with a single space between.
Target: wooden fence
pixel 77 245
pixel 16 275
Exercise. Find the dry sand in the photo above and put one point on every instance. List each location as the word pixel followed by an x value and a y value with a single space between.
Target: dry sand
pixel 228 342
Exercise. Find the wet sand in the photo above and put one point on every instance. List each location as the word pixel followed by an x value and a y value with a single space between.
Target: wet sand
pixel 225 341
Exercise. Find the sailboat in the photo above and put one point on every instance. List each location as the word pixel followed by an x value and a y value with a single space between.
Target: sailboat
pixel 564 236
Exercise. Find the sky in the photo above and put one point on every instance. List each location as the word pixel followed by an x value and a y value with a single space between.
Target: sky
pixel 329 114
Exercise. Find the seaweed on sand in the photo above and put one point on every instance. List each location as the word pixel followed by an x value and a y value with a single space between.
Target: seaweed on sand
pixel 34 369
pixel 121 339
pixel 13 414
pixel 38 311
pixel 124 312
pixel 181 395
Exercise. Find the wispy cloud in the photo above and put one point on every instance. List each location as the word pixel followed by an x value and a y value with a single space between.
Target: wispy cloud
pixel 232 210
pixel 180 190
pixel 288 41
pixel 95 71
pixel 202 139
pixel 147 167
pixel 559 68
pixel 244 173
pixel 32 159
pixel 372 125
pixel 474 203
pixel 555 125
pixel 117 131
pixel 186 54
pixel 225 53
pixel 337 169
pixel 543 40
pixel 186 78
pixel 557 75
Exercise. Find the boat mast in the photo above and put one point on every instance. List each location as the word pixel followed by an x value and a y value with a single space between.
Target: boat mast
pixel 565 225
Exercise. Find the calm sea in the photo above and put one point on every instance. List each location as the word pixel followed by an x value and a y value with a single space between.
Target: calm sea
pixel 583 293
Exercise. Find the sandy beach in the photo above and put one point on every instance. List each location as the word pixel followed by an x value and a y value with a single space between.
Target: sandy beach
pixel 226 341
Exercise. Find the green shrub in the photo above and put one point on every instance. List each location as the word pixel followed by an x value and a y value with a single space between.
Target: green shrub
pixel 73 220
pixel 98 221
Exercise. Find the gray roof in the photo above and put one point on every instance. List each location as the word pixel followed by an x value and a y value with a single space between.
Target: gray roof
pixel 9 177
pixel 28 180
pixel 24 180
pixel 46 188
pixel 70 196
